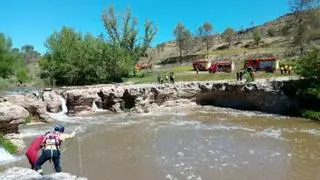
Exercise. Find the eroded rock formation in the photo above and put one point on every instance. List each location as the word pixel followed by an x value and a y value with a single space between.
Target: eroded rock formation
pixel 263 95
pixel 36 107
pixel 11 115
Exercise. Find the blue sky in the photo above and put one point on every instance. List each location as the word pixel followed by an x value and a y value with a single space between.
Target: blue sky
pixel 32 21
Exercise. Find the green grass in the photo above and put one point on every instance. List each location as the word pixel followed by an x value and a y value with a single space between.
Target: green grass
pixel 182 68
pixel 7 145
pixel 7 83
pixel 185 73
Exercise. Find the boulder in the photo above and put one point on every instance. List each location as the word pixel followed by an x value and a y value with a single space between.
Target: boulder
pixel 78 102
pixel 52 100
pixel 29 174
pixel 11 116
pixel 35 106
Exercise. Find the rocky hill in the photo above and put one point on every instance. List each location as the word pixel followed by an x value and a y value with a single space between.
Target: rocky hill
pixel 276 39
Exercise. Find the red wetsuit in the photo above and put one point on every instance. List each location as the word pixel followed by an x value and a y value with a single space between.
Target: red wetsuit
pixel 32 151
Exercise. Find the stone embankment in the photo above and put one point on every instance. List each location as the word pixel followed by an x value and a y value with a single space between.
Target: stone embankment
pixel 264 95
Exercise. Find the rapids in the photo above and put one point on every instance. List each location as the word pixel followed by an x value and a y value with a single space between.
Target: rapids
pixel 187 142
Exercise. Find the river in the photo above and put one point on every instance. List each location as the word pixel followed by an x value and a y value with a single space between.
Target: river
pixel 188 142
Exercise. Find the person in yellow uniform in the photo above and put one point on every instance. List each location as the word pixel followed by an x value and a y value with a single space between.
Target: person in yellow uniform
pixel 290 69
pixel 51 147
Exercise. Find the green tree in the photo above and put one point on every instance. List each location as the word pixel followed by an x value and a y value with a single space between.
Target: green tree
pixel 256 35
pixel 76 59
pixel 302 19
pixel 183 37
pixel 6 58
pixel 22 75
pixel 29 53
pixel 205 32
pixel 227 35
pixel 308 67
pixel 122 31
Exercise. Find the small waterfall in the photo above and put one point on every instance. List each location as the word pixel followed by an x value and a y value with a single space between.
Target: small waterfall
pixel 61 116
pixel 63 104
pixel 5 156
pixel 94 107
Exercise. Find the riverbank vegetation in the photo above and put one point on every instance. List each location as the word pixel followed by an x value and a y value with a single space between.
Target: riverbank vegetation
pixel 8 146
pixel 76 59
pixel 308 66
pixel 14 63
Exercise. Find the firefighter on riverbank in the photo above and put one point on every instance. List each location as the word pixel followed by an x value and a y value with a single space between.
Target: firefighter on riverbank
pixel 172 78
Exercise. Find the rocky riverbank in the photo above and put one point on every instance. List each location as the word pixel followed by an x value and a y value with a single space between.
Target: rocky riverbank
pixel 264 95
pixel 271 96
pixel 28 174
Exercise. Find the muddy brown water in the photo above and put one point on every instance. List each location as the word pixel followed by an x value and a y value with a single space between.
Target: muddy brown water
pixel 190 143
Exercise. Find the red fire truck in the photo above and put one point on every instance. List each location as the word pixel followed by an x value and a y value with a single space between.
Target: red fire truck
pixel 222 66
pixel 202 65
pixel 262 64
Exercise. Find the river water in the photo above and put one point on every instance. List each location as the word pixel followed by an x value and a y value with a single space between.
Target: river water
pixel 188 142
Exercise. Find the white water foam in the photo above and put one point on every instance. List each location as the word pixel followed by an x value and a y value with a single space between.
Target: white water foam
pixel 270 132
pixel 61 116
pixel 31 132
pixel 63 105
pixel 224 127
pixel 311 131
pixel 94 107
pixel 6 157
pixel 176 122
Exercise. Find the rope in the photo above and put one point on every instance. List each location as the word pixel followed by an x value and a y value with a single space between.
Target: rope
pixel 79 153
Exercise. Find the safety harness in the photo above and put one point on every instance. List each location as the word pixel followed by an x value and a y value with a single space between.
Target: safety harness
pixel 51 141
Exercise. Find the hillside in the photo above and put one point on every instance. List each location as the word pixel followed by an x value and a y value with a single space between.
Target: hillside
pixel 276 44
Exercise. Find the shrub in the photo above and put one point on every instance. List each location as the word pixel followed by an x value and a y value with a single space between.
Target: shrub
pixel 27 120
pixel 311 114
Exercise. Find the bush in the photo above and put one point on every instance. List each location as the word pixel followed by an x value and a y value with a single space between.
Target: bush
pixel 27 120
pixel 311 114
pixel 271 32
pixel 7 145
pixel 309 67
pixel 22 75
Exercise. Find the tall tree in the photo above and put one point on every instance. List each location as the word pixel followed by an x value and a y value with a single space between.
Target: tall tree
pixel 122 30
pixel 256 35
pixel 183 36
pixel 29 53
pixel 302 17
pixel 76 59
pixel 205 32
pixel 6 58
pixel 227 35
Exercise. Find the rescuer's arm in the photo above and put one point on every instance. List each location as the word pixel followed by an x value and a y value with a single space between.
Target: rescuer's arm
pixel 65 136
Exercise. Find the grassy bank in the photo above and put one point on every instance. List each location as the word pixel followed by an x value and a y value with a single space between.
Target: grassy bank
pixel 7 145
pixel 6 84
pixel 185 73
